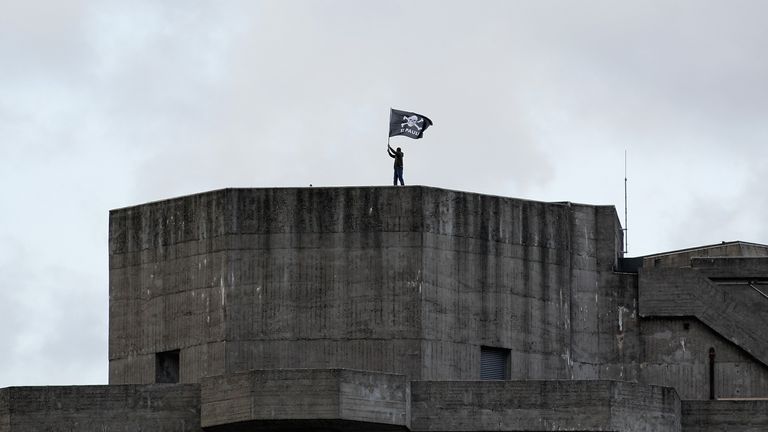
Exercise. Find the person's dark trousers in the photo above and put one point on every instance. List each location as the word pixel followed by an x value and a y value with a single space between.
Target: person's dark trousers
pixel 398 176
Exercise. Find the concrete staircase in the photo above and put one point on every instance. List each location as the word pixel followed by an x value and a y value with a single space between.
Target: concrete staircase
pixel 739 315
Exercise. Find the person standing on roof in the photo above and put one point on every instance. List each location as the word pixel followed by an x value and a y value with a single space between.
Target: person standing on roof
pixel 397 155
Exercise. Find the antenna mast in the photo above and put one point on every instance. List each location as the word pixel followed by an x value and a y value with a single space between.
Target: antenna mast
pixel 626 226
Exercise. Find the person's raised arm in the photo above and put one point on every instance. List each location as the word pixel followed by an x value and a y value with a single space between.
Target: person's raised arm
pixel 390 152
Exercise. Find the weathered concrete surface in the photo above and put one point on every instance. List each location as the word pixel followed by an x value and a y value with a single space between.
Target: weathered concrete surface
pixel 738 316
pixel 325 278
pixel 123 408
pixel 543 406
pixel 267 278
pixel 403 280
pixel 708 305
pixel 744 268
pixel 676 354
pixel 614 350
pixel 414 281
pixel 516 274
pixel 167 262
pixel 5 411
pixel 306 398
pixel 725 416
pixel 682 258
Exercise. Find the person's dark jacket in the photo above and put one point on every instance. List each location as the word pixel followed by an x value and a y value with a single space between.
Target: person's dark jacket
pixel 397 155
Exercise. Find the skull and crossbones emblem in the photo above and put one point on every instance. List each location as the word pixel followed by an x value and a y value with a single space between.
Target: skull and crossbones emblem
pixel 412 121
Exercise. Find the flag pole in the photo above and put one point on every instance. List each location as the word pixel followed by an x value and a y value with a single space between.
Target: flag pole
pixel 390 119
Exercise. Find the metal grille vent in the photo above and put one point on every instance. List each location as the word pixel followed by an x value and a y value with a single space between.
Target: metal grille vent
pixel 493 363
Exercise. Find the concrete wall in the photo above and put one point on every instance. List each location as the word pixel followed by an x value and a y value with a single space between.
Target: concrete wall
pixel 496 273
pixel 267 278
pixel 167 261
pixel 725 416
pixel 406 280
pixel 642 408
pixel 129 408
pixel 736 314
pixel 5 412
pixel 720 312
pixel 614 349
pixel 415 281
pixel 678 357
pixel 516 274
pixel 626 352
pixel 682 258
pixel 306 399
pixel 602 306
pixel 744 268
pixel 543 406
pixel 325 278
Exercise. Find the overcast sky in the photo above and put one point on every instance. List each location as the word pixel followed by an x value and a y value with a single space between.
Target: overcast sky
pixel 107 104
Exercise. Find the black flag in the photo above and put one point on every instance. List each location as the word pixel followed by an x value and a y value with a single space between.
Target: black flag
pixel 407 123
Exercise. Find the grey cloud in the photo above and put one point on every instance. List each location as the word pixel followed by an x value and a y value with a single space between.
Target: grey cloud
pixel 736 215
pixel 53 322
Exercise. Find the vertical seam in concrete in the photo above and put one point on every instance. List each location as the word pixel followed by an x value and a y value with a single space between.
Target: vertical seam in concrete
pixel 597 220
pixel 422 243
pixel 569 362
pixel 5 409
pixel 228 256
pixel 337 374
pixel 611 396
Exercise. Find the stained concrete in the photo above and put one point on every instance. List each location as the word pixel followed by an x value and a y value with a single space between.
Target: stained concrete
pixel 534 405
pixel 5 411
pixel 278 399
pixel 683 258
pixel 507 273
pixel 124 408
pixel 166 291
pixel 676 354
pixel 324 278
pixel 740 267
pixel 725 416
pixel 737 315
pixel 411 280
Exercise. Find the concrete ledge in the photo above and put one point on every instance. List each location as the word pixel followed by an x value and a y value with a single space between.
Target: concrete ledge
pixel 118 408
pixel 543 406
pixel 305 398
pixel 725 416
pixel 732 267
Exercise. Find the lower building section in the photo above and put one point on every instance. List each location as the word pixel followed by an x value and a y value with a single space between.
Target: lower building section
pixel 300 398
pixel 543 406
pixel 725 416
pixel 350 400
pixel 113 408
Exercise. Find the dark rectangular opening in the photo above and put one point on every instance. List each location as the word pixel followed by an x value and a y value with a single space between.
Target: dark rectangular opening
pixel 167 367
pixel 494 363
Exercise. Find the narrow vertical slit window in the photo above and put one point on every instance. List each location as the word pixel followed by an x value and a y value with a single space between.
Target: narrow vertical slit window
pixel 711 374
pixel 167 367
pixel 494 363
